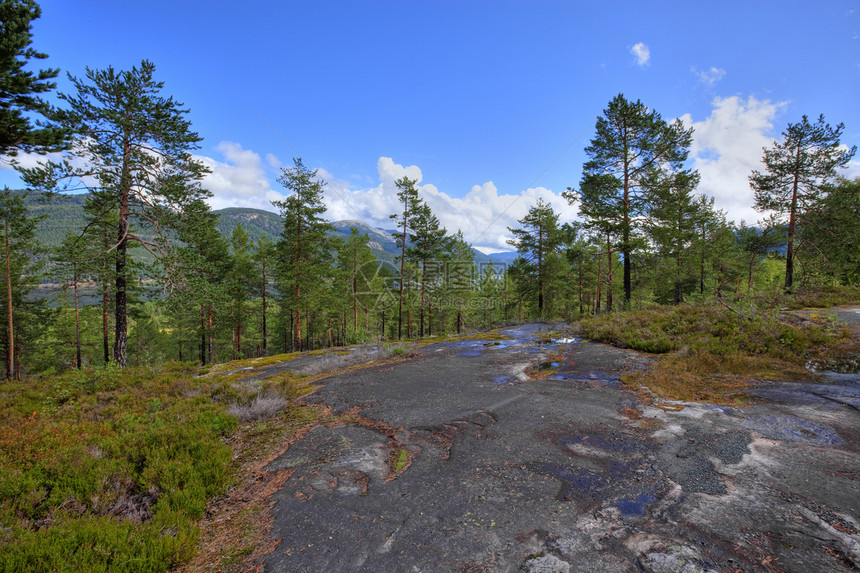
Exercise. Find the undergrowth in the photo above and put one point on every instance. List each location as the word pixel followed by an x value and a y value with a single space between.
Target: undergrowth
pixel 711 352
pixel 111 470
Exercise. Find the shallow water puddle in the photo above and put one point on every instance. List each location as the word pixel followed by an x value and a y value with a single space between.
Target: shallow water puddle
pixel 635 507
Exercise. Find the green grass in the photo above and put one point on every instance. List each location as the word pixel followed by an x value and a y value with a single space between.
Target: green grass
pixel 711 352
pixel 112 470
pixel 108 469
pixel 822 297
pixel 399 461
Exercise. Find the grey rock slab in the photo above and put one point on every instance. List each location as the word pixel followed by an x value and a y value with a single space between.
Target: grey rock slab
pixel 539 474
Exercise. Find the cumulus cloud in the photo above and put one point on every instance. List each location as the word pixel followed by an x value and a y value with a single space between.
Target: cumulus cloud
pixel 852 170
pixel 240 179
pixel 709 78
pixel 483 214
pixel 642 53
pixel 727 147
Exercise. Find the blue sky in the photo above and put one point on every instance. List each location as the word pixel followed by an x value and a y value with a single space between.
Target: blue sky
pixel 490 104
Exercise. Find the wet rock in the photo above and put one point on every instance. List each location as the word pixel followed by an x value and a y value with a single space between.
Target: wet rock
pixel 546 564
pixel 793 429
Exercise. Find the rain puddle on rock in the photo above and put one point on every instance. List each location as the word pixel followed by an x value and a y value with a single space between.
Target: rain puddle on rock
pixel 635 507
pixel 471 347
pixel 606 443
pixel 577 483
pixel 472 352
pixel 837 365
pixel 502 379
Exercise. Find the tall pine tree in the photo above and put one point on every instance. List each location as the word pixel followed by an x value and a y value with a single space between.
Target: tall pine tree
pixel 408 195
pixel 304 245
pixel 136 145
pixel 536 243
pixel 18 235
pixel 428 239
pixel 631 141
pixel 798 169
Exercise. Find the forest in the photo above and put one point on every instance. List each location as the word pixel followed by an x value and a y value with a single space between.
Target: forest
pixel 162 282
pixel 124 290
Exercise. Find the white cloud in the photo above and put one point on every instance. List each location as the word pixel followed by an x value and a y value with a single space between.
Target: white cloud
pixel 241 180
pixel 642 53
pixel 727 147
pixel 852 170
pixel 482 214
pixel 273 161
pixel 710 77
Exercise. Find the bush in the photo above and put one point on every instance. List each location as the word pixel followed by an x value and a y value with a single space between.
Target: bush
pixel 108 469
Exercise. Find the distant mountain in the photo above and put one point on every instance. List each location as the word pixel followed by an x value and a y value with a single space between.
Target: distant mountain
pixel 65 213
pixel 504 256
pixel 256 222
pixel 376 238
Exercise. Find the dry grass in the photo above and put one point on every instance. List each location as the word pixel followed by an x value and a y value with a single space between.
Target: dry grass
pixel 261 407
pixel 333 361
pixel 714 352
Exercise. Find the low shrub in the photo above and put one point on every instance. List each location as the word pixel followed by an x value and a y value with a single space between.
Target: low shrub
pixel 711 350
pixel 108 469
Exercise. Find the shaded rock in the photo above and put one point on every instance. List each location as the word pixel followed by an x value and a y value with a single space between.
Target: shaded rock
pixel 546 564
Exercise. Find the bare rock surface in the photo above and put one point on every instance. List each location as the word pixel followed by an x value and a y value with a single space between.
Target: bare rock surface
pixel 527 454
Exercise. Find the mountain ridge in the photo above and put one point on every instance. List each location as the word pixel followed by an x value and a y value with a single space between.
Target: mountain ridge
pixel 64 213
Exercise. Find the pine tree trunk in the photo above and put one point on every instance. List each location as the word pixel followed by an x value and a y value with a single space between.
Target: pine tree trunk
pixel 423 278
pixel 625 243
pixel 202 335
pixel 209 338
pixel 792 222
pixel 120 345
pixel 402 269
pixel 263 326
pixel 609 274
pixel 77 319
pixel 10 339
pixel 355 292
pixel 105 302
pixel 702 266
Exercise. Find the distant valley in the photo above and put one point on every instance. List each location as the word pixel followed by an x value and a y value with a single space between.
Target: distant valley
pixel 65 213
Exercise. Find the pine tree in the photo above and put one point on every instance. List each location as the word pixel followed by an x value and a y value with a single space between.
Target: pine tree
pixel 137 145
pixel 74 259
pixel 19 266
pixel 428 239
pixel 304 244
pixel 798 170
pixel 756 242
pixel 631 142
pixel 21 89
pixel 98 234
pixel 238 284
pixel 536 243
pixel 264 257
pixel 359 270
pixel 202 263
pixel 459 280
pixel 833 231
pixel 408 196
pixel 672 222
